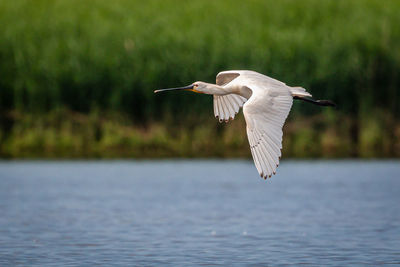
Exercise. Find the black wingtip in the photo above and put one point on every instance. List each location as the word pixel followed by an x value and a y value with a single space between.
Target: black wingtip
pixel 327 103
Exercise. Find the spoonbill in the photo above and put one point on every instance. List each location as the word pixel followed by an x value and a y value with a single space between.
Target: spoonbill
pixel 266 104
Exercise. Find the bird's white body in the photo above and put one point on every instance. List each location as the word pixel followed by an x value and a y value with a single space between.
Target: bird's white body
pixel 266 104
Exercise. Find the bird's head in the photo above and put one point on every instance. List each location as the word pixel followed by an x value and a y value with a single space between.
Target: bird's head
pixel 197 87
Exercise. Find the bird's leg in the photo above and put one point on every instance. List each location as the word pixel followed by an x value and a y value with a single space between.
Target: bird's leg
pixel 316 102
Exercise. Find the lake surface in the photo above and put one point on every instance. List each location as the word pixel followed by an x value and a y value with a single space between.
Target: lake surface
pixel 175 213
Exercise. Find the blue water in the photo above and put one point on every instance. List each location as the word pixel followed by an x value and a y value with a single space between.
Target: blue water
pixel 174 213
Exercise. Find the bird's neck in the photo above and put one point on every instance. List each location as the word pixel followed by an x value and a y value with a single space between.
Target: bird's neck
pixel 214 89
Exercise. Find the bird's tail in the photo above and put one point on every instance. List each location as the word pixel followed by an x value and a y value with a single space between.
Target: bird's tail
pixel 299 91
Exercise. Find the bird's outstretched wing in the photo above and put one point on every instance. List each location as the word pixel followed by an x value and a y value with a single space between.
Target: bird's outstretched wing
pixel 265 113
pixel 227 106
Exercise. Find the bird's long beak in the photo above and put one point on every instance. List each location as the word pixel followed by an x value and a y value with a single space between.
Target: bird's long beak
pixel 189 87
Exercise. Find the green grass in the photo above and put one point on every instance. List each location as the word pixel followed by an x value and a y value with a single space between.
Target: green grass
pixel 107 57
pixel 66 134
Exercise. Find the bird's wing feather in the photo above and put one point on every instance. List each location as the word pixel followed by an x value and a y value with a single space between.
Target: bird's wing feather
pixel 227 106
pixel 265 113
pixel 225 77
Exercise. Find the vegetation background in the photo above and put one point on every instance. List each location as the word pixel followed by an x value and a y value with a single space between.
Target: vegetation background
pixel 77 77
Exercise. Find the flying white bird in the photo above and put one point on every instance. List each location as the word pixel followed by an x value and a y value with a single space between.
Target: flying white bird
pixel 266 104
